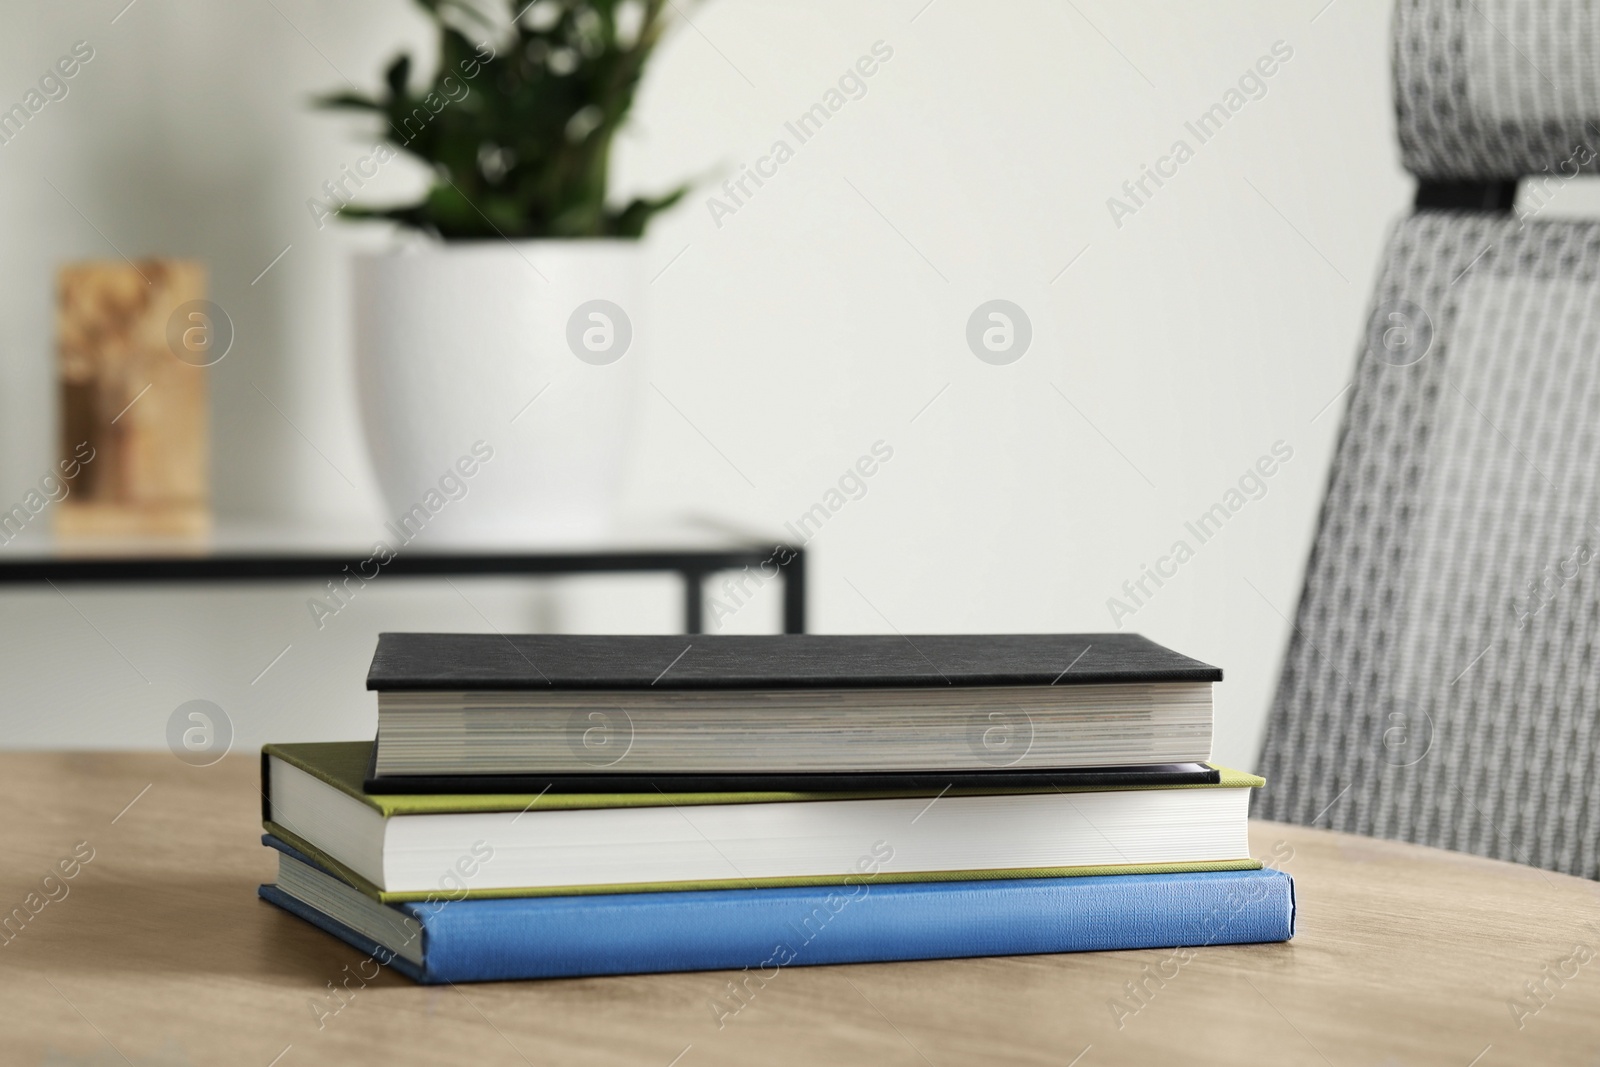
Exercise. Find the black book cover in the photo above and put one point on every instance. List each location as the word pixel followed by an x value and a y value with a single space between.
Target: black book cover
pixel 930 782
pixel 419 661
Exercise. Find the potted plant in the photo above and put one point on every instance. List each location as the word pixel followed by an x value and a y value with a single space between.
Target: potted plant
pixel 531 278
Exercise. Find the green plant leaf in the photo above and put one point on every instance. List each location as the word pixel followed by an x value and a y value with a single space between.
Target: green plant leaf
pixel 631 220
pixel 398 74
pixel 518 124
pixel 353 101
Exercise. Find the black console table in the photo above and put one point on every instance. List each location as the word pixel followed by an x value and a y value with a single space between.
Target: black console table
pixel 254 556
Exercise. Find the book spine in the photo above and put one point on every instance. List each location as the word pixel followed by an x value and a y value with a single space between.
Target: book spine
pixel 768 929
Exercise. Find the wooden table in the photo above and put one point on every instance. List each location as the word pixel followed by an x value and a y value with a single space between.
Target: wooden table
pixel 160 953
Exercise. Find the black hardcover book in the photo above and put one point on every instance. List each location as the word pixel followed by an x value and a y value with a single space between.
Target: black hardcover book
pixel 678 784
pixel 407 661
pixel 493 713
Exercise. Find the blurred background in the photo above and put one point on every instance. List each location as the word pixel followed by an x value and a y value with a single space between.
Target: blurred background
pixel 1173 343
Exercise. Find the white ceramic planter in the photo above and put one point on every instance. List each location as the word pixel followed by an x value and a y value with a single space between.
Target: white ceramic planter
pixel 452 344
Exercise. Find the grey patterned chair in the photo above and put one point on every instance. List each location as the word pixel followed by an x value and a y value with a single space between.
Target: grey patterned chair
pixel 1442 683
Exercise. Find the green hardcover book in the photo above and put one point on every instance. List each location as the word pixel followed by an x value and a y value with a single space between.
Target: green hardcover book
pixel 412 847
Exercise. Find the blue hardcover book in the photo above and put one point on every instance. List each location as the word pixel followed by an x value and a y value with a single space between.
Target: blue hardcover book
pixel 480 940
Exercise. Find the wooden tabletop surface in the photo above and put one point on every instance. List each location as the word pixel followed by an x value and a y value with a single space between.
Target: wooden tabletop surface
pixel 157 952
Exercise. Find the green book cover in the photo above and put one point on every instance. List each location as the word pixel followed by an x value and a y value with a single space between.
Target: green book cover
pixel 343 765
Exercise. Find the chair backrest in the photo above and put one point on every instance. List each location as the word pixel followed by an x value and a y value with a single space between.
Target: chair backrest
pixel 1442 683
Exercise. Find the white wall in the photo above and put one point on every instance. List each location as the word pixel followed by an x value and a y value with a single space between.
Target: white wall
pixel 1219 318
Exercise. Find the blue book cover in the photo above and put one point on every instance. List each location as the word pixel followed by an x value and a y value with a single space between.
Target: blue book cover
pixel 762 929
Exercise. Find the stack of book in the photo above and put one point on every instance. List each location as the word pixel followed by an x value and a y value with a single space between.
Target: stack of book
pixel 543 806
